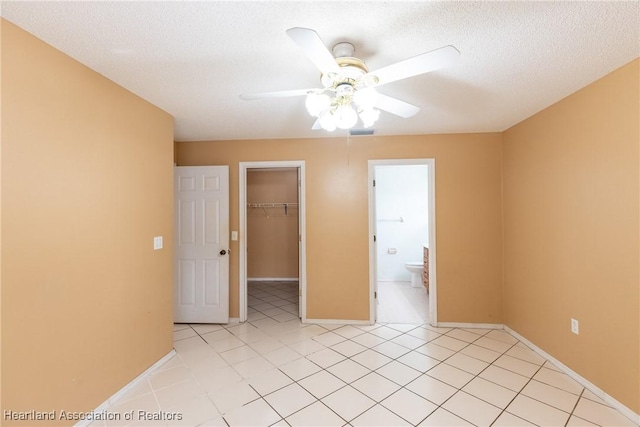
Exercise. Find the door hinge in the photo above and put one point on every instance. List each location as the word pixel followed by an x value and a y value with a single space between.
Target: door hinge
pixel 375 295
pixel 300 237
pixel 374 182
pixel 299 292
pixel 374 237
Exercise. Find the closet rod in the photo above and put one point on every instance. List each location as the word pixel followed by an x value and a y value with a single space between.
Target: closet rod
pixel 270 205
pixel 264 206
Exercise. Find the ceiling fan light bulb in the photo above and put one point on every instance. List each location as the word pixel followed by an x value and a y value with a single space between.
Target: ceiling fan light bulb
pixel 346 117
pixel 327 122
pixel 366 98
pixel 369 117
pixel 317 103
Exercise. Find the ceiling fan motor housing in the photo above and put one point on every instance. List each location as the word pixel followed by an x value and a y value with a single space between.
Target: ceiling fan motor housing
pixel 351 68
pixel 343 49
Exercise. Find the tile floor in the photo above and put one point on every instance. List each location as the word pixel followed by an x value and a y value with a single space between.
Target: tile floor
pixel 273 370
pixel 398 302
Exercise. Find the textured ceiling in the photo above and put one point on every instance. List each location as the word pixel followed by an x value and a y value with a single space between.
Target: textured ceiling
pixel 194 59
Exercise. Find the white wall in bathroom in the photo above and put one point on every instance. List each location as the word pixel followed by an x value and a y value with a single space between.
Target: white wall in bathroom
pixel 401 192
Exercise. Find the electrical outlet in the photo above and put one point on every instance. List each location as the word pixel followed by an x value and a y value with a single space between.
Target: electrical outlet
pixel 575 326
pixel 157 243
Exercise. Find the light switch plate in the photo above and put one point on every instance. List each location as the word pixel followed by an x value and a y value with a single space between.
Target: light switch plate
pixel 575 326
pixel 234 235
pixel 157 243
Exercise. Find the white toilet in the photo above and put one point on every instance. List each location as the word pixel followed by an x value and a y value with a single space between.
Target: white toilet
pixel 415 268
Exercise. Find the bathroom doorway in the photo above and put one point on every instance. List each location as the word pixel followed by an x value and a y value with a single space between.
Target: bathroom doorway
pixel 272 251
pixel 402 223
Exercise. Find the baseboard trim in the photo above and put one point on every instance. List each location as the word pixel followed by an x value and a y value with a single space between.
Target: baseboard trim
pixel 118 394
pixel 273 279
pixel 233 320
pixel 470 325
pixel 579 378
pixel 337 322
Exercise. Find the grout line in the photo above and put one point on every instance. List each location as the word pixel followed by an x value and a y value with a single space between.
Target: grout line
pixel 320 399
pixel 574 407
pixel 518 394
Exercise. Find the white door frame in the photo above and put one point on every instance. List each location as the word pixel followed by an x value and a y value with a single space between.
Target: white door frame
pixel 302 266
pixel 373 270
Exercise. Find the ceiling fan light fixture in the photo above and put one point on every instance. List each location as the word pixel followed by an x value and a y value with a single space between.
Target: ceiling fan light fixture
pixel 341 108
pixel 344 90
pixel 369 117
pixel 330 79
pixel 316 103
pixel 345 116
pixel 369 80
pixel 327 122
pixel 366 98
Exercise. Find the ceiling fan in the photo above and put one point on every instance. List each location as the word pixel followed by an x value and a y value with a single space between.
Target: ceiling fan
pixel 348 88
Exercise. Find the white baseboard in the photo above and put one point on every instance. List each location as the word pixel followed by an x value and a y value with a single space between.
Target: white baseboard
pixel 470 325
pixel 118 394
pixel 233 320
pixel 273 279
pixel 579 378
pixel 337 322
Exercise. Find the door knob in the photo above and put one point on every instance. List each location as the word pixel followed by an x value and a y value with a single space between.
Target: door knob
pixel 223 252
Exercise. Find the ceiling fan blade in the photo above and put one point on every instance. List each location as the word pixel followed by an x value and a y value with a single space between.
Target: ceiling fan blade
pixel 313 47
pixel 280 94
pixel 395 106
pixel 423 63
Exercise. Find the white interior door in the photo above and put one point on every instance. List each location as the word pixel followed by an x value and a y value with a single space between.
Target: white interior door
pixel 201 285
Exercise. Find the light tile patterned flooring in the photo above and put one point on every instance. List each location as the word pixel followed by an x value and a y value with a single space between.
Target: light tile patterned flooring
pixel 273 370
pixel 398 302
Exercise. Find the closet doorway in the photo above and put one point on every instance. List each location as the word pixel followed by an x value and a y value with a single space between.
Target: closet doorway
pixel 272 236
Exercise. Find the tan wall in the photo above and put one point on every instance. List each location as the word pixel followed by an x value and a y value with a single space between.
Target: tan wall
pixel 571 210
pixel 86 185
pixel 468 217
pixel 272 233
